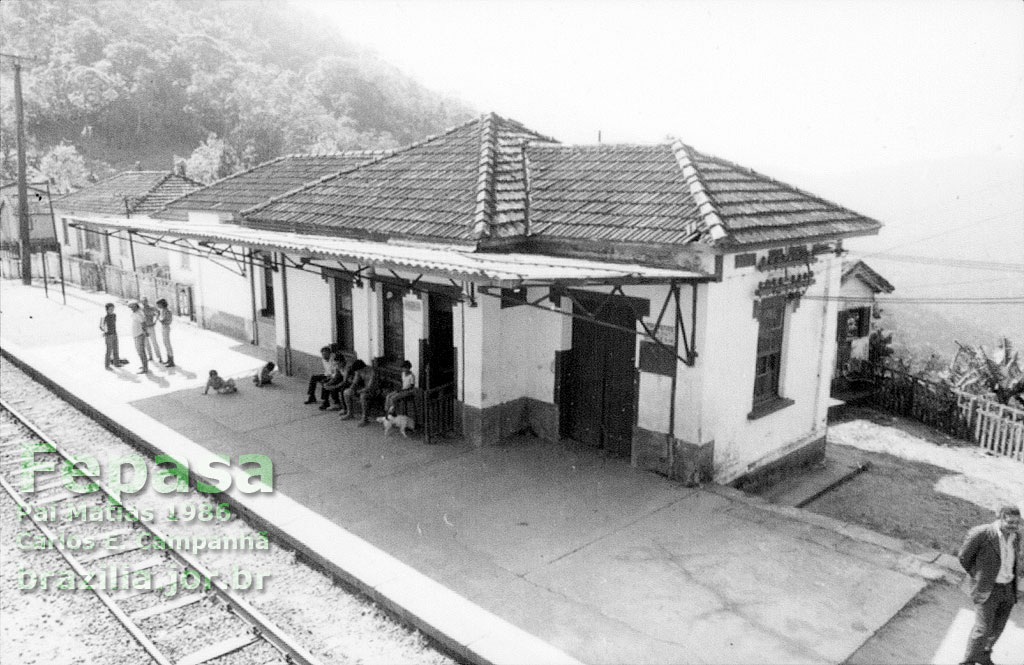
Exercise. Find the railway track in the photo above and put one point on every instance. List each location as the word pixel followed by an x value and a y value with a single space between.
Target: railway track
pixel 123 578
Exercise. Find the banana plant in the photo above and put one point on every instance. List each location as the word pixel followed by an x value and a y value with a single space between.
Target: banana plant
pixel 999 373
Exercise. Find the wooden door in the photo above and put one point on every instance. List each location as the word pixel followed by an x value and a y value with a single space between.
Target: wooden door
pixel 600 394
pixel 439 365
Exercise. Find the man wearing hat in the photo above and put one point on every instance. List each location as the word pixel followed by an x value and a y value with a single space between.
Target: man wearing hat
pixel 139 333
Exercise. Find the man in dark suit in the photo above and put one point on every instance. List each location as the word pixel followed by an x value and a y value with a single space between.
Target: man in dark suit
pixel 994 557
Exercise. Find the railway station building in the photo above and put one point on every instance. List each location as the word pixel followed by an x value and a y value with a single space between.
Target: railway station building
pixel 654 301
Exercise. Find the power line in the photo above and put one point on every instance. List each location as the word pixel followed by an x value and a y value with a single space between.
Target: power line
pixel 929 300
pixel 959 227
pixel 953 263
pixel 970 281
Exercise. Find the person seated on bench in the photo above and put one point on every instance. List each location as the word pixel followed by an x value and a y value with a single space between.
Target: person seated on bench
pixel 363 388
pixel 407 390
pixel 335 383
pixel 219 385
pixel 327 357
pixel 265 376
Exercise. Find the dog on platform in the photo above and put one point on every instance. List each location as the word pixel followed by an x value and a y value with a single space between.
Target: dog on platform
pixel 402 422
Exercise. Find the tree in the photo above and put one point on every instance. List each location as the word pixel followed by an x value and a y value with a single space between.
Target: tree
pixel 999 373
pixel 63 166
pixel 879 347
pixel 212 160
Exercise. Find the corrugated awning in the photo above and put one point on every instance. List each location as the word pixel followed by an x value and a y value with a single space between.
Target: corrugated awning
pixel 502 269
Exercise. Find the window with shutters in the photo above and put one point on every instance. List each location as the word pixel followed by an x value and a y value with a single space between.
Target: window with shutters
pixel 772 320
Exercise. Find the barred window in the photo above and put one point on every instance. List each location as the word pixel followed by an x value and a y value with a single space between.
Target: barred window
pixel 772 319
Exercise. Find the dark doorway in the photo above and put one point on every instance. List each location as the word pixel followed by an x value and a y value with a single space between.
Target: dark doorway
pixel 438 357
pixel 343 328
pixel 268 287
pixel 394 326
pixel 600 389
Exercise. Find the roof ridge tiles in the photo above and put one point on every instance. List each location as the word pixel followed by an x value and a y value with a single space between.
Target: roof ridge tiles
pixel 138 202
pixel 709 214
pixel 388 155
pixel 483 215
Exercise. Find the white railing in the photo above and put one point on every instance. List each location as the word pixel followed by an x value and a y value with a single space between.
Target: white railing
pixel 994 426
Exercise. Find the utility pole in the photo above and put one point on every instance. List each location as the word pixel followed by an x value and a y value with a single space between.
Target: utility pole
pixel 23 225
pixel 23 230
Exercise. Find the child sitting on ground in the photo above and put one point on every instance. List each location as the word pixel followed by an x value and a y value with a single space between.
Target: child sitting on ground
pixel 265 375
pixel 219 385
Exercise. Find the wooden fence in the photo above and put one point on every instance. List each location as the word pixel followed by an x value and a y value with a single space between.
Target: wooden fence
pixel 116 281
pixel 993 426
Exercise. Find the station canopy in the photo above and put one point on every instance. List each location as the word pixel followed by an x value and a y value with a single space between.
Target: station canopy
pixel 511 269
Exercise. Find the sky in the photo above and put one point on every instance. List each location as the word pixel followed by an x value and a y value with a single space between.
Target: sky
pixel 909 112
pixel 836 85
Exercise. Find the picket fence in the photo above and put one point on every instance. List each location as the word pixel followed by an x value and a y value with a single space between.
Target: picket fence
pixel 993 426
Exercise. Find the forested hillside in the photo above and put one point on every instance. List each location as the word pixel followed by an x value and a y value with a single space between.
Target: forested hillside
pixel 129 81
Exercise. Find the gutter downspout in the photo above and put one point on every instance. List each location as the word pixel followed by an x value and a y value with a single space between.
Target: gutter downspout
pixel 252 296
pixel 672 393
pixel 287 323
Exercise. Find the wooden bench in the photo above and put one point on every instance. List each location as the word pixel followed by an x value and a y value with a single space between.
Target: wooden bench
pixel 389 379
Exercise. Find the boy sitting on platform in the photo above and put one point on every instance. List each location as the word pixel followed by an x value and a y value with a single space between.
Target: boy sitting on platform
pixel 264 377
pixel 219 385
pixel 407 390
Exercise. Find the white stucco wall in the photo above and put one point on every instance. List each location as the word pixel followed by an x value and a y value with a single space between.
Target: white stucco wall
pixel 217 286
pixel 729 354
pixel 468 323
pixel 364 318
pixel 310 312
pixel 524 351
pixel 855 293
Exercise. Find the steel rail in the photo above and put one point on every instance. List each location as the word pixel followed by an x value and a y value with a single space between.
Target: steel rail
pixel 259 624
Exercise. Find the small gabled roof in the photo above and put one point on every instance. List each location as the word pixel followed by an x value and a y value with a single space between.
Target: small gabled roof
pixel 866 274
pixel 265 181
pixel 129 192
pixel 461 186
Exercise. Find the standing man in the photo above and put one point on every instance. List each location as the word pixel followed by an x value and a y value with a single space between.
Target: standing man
pixel 108 325
pixel 994 557
pixel 139 334
pixel 152 347
pixel 164 317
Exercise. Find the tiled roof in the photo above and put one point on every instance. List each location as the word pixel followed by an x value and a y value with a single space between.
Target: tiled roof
pixel 866 274
pixel 611 193
pixel 129 192
pixel 756 209
pixel 492 181
pixel 260 183
pixel 461 186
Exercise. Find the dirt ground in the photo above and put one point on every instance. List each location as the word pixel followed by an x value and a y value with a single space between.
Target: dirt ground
pixel 922 486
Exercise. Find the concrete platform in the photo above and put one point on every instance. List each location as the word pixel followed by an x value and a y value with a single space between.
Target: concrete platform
pixel 840 464
pixel 523 552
